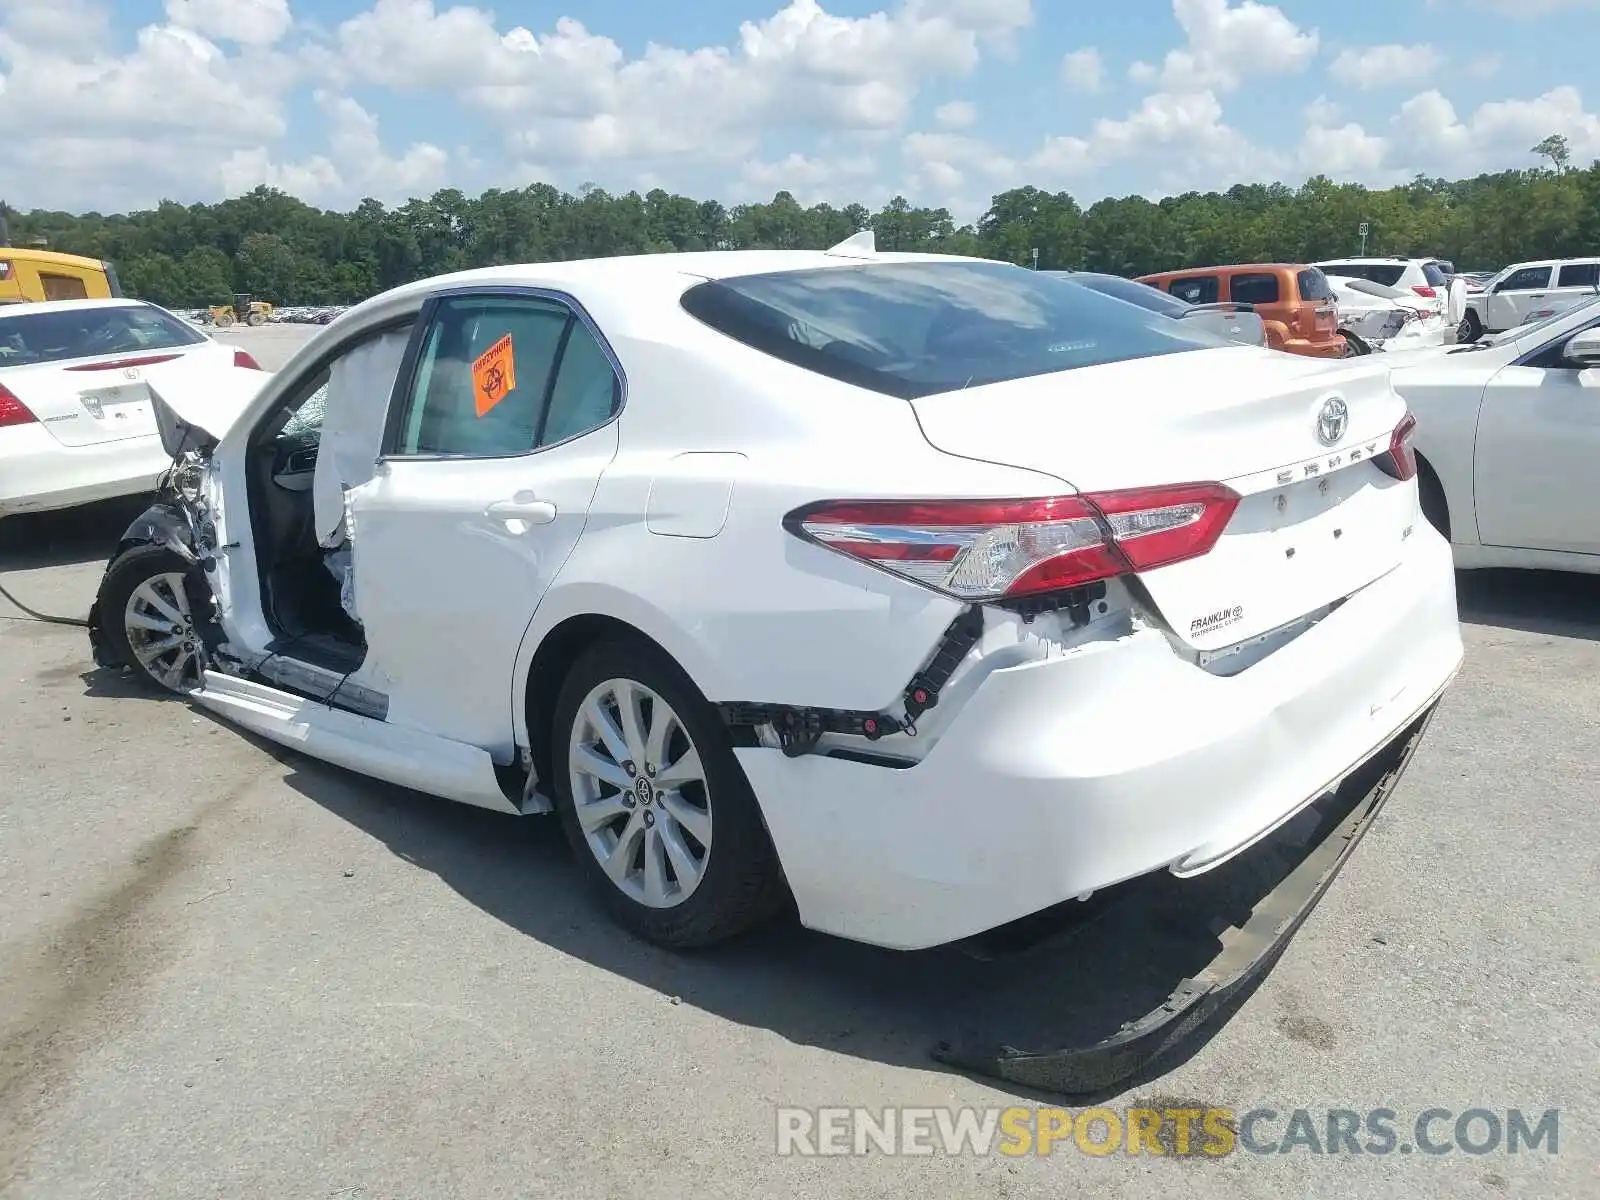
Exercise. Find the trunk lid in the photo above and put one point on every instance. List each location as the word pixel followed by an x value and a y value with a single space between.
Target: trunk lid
pixel 1317 520
pixel 89 402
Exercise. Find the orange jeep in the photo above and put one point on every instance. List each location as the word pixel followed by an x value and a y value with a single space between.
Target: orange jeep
pixel 1294 301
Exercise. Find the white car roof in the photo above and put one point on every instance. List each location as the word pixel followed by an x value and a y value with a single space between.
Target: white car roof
pixel 33 306
pixel 1375 262
pixel 630 270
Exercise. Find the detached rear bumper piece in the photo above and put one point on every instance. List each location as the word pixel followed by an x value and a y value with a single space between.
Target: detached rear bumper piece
pixel 1247 952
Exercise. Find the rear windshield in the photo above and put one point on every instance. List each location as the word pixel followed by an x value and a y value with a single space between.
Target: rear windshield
pixel 1313 284
pixel 1385 273
pixel 57 335
pixel 915 329
pixel 1435 275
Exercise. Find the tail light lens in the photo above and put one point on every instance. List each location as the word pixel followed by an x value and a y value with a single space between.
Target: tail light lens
pixel 1401 459
pixel 982 550
pixel 241 359
pixel 121 364
pixel 1429 292
pixel 12 410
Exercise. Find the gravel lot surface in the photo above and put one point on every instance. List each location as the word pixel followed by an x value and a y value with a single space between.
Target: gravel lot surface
pixel 228 971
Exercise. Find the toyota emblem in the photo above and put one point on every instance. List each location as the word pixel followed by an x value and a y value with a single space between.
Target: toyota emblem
pixel 1331 421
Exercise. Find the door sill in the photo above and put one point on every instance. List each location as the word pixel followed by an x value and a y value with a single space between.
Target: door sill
pixel 407 757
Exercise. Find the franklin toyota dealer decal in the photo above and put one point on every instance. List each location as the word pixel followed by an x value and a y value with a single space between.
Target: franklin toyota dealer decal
pixel 1220 619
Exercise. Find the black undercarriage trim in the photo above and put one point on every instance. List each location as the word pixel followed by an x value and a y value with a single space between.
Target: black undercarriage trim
pixel 1248 951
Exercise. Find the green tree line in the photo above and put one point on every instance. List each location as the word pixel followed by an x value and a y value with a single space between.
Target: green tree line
pixel 277 248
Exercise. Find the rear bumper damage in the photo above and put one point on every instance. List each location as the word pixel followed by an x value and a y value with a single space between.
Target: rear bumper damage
pixel 1246 953
pixel 1059 778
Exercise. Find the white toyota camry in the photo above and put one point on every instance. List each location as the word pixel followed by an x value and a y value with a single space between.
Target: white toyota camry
pixel 1508 443
pixel 75 418
pixel 924 590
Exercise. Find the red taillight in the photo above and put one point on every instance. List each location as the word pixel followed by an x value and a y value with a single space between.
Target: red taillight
pixel 1425 291
pixel 12 410
pixel 987 549
pixel 1400 460
pixel 121 364
pixel 241 359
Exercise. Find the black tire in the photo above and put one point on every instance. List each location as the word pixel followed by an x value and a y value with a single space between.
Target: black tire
pixel 742 883
pixel 1355 347
pixel 1434 506
pixel 1470 329
pixel 133 568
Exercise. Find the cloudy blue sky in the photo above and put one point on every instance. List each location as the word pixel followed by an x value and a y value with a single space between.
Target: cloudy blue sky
pixel 111 105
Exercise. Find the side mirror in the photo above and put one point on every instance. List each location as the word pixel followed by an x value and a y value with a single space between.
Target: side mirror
pixel 1583 348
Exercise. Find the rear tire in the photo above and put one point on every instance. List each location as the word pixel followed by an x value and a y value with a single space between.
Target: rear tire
pixel 1354 346
pixel 657 809
pixel 153 603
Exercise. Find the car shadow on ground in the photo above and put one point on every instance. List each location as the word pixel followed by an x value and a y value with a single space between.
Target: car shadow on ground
pixel 1551 602
pixel 30 541
pixel 891 1007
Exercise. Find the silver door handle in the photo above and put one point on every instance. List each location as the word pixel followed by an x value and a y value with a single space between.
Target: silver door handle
pixel 535 512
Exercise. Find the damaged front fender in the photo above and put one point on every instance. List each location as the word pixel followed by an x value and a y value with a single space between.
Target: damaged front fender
pixel 166 523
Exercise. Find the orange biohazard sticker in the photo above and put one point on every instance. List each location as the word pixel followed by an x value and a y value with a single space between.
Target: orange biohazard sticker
pixel 494 373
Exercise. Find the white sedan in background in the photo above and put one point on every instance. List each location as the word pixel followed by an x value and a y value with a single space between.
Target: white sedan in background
pixel 1508 442
pixel 76 423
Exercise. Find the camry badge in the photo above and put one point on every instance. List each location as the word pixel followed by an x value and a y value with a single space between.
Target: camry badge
pixel 1331 421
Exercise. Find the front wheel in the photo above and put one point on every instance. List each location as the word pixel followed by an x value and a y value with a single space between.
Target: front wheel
pixel 657 808
pixel 1470 329
pixel 152 607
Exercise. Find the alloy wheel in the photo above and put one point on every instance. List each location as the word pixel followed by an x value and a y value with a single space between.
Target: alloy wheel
pixel 161 632
pixel 639 792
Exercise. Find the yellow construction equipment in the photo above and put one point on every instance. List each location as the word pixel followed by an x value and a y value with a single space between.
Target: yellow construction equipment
pixel 243 311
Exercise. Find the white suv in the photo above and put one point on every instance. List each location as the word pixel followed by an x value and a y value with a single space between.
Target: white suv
pixel 1427 277
pixel 1528 291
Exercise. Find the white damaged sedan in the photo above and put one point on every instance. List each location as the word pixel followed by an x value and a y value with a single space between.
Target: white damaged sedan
pixel 923 590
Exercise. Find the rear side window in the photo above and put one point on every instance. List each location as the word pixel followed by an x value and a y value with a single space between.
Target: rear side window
pixel 501 376
pixel 1196 289
pixel 1257 288
pixel 1526 279
pixel 1435 275
pixel 1313 285
pixel 586 391
pixel 61 335
pixel 1579 275
pixel 916 329
pixel 63 287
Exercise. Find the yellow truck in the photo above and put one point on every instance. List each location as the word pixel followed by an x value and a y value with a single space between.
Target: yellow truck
pixel 30 274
